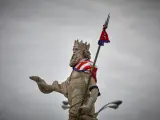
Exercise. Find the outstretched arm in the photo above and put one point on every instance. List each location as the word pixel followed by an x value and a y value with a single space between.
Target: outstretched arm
pixel 46 88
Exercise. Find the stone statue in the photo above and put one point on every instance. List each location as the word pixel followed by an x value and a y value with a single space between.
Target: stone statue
pixel 73 88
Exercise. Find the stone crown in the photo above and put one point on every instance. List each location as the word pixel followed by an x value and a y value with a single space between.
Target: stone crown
pixel 81 45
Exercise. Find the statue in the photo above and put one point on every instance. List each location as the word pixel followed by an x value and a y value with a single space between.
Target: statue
pixel 73 88
pixel 80 87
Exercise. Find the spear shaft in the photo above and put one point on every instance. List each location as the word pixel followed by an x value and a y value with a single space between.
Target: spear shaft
pixel 97 53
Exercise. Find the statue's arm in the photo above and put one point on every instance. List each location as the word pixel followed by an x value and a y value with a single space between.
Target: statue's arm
pixel 93 87
pixel 94 90
pixel 94 93
pixel 62 87
pixel 46 88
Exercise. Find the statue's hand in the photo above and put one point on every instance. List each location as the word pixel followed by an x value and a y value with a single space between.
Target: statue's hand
pixel 85 109
pixel 42 85
pixel 35 78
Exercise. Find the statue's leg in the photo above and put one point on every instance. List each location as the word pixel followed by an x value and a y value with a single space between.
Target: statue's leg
pixel 87 117
pixel 82 117
pixel 71 117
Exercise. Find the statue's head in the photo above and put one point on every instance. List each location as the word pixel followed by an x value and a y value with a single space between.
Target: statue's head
pixel 80 51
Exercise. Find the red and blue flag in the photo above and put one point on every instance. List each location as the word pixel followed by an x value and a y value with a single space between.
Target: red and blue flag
pixel 104 37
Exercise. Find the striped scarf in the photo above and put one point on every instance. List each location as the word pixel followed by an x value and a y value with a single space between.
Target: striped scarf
pixel 85 65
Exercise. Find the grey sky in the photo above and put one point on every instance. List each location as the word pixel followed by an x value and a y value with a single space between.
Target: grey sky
pixel 36 38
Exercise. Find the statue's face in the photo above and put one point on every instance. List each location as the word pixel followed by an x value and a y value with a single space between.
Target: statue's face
pixel 76 57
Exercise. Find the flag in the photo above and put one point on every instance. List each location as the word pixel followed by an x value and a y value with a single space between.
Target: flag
pixel 85 65
pixel 104 37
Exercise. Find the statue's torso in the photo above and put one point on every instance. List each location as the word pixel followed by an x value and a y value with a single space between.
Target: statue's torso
pixel 76 89
pixel 76 86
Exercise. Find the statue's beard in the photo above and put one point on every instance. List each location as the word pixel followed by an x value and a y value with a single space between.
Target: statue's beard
pixel 75 59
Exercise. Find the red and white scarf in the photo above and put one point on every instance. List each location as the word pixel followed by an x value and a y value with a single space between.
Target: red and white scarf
pixel 85 65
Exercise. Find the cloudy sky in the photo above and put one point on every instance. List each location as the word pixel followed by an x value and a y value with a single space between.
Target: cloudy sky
pixel 36 38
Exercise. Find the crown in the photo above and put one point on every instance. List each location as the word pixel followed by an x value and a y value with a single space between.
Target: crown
pixel 81 45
